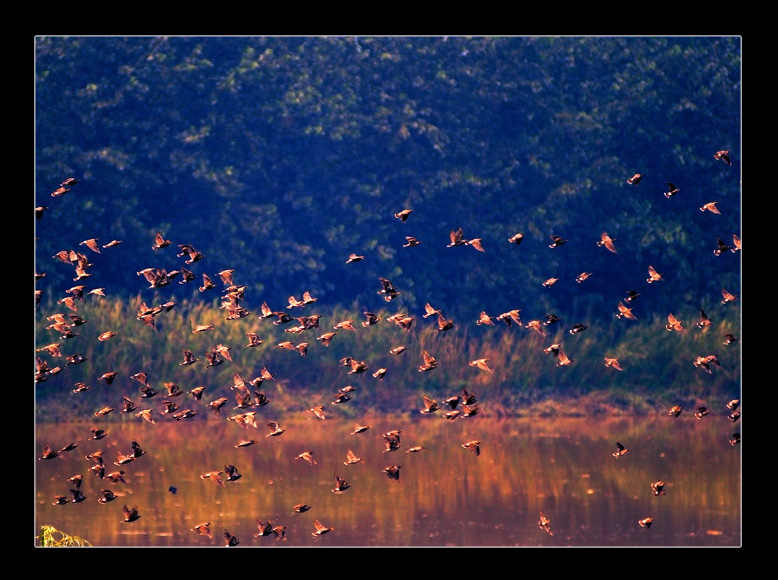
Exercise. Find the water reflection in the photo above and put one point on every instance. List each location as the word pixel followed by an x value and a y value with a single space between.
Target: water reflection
pixel 445 496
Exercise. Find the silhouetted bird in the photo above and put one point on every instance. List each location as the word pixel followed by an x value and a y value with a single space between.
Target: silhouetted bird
pixel 620 450
pixel 658 488
pixel 516 239
pixel 108 495
pixel 735 439
pixel 722 156
pixel 430 405
pixel 189 251
pixel 403 215
pixel 130 515
pixel 701 412
pixel 646 522
pixel 721 247
pixel 556 241
pixel 671 190
pixel 734 416
pixel 577 327
pixel 230 540
pixel 631 296
pixel 393 472
pixel 410 241
pixel 341 484
pixel 675 410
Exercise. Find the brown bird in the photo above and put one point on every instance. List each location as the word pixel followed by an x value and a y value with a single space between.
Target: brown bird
pixel 410 242
pixel 429 362
pixel 620 450
pixel 510 317
pixel 516 239
pixel 130 515
pixel 646 522
pixel 392 441
pixel 430 405
pixel 705 362
pixel 393 472
pixel 625 312
pixel 733 404
pixel 275 429
pixel 254 340
pixel 371 319
pixel 582 277
pixel 675 410
pixel 398 350
pixel 351 458
pixel 653 275
pixel 318 411
pixel 245 443
pixel 556 241
pixel 701 412
pixel 728 296
pixel 214 476
pixel 326 338
pixel 563 359
pixel 704 320
pixel 607 241
pixel 635 179
pixel 301 508
pixel 320 528
pixel 108 495
pixel 48 452
pixel 359 428
pixel 189 358
pixel 674 324
pixel 307 456
pixel 476 243
pixel 203 529
pixel 403 215
pixel 457 238
pixel 91 243
pixel 160 242
pixel 474 446
pixel 189 251
pixel 545 524
pixel 481 363
pixel 711 207
pixel 444 324
pixel 536 326
pixel 230 540
pixel 354 258
pixel 736 244
pixel 341 484
pixel 265 529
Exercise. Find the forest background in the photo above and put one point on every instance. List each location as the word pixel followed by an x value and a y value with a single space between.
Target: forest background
pixel 278 157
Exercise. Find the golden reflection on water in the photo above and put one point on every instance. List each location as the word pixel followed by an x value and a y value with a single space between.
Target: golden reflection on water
pixel 445 496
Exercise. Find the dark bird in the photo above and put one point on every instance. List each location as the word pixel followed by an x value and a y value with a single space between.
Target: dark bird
pixel 60 500
pixel 371 319
pixel 130 515
pixel 545 524
pixel 410 242
pixel 341 484
pixel 78 495
pixel 393 472
pixel 551 319
pixel 510 317
pixel 245 443
pixel 320 528
pixel 620 450
pixel 443 324
pixel 388 290
pixel 608 242
pixel 76 481
pixel 301 508
pixel 189 358
pixel 646 522
pixel 631 296
pixel 230 540
pixel 265 529
pixel 577 327
pixel 254 340
pixel 722 156
pixel 635 179
pixel 108 495
pixel 721 247
pixel 48 452
pixel 232 472
pixel 671 190
pixel 469 410
pixel 675 410
pixel 189 251
pixel 185 414
pixel 474 446
pixel 733 404
pixel 392 441
pixel 701 412
pixel 658 488
pixel 734 416
pixel 735 439
pixel 556 241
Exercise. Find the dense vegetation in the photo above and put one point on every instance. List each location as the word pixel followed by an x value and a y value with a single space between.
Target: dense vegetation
pixel 279 157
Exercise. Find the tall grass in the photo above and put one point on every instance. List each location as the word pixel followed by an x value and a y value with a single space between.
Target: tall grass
pixel 658 365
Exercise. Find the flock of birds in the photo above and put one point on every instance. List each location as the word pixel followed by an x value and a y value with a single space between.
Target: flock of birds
pixel 248 394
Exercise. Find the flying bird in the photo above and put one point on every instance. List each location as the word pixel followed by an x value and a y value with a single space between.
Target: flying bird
pixel 474 446
pixel 613 363
pixel 674 324
pixel 671 190
pixel 635 179
pixel 728 296
pixel 556 241
pixel 653 275
pixel 722 156
pixel 130 515
pixel 658 488
pixel 711 207
pixel 607 241
pixel 620 450
pixel 545 524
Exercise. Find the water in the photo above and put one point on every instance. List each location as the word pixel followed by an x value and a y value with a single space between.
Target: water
pixel 445 495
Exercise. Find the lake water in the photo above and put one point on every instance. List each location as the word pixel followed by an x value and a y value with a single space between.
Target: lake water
pixel 445 495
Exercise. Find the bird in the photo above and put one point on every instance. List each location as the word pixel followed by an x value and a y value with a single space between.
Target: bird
pixel 653 275
pixel 411 241
pixel 245 443
pixel 705 362
pixel 632 295
pixel 398 350
pixel 563 360
pixel 189 358
pixel 516 238
pixel 403 215
pixel 430 311
pixel 476 243
pixel 733 404
pixel 577 327
pixel 430 405
pixel 307 456
pixel 613 363
pixel 557 241
pixel 583 276
pixel 254 340
pixel 510 317
pixel 635 179
pixel 457 238
pixel 444 324
pixel 625 312
pixel 674 324
pixel 704 320
pixel 108 495
pixel 736 244
pixel 550 282
pixel 484 318
pixel 78 495
pixel 320 528
pixel 379 374
pixel 728 296
pixel 145 414
pixel 722 156
pixel 371 319
pixel 230 540
pixel 734 416
pixel 711 207
pixel 351 458
pixel 545 524
pixel 341 484
pixel 675 410
pixel 130 515
pixel 393 472
pixel 551 319
pixel 275 429
pixel 481 363
pixel 735 439
pixel 160 242
pixel 359 428
pixel 646 522
pixel 318 411
pixel 620 450
pixel 48 452
pixel 60 500
pixel 354 258
pixel 474 446
pixel 721 247
pixel 469 410
pixel 189 251
pixel 214 476
pixel 392 441
pixel 671 190
pixel 265 528
pixel 232 472
pixel 429 362
pixel 608 242
pixel 203 529
pixel 701 412
pixel 658 488
pixel 301 508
